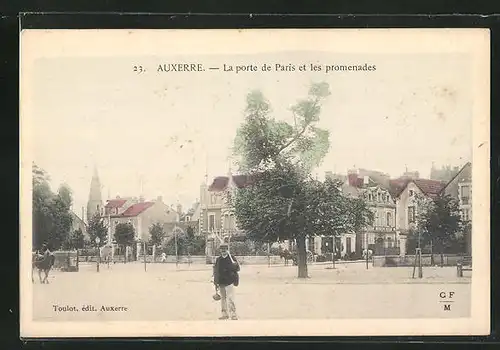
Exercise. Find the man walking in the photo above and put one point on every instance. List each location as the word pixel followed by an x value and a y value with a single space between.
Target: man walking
pixel 226 277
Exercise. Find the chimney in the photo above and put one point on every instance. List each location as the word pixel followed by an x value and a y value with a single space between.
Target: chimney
pixel 141 199
pixel 366 180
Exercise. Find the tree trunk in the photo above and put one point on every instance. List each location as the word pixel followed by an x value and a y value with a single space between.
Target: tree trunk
pixel 302 256
pixel 432 254
pixel 442 255
pixel 125 251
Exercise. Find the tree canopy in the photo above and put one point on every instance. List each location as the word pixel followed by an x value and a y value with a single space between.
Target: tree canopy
pixel 263 142
pixel 157 234
pixel 439 222
pixel 124 234
pixel 52 219
pixel 97 228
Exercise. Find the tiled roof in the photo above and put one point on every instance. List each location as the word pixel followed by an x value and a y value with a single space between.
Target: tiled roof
pixel 115 203
pixel 136 209
pixel 396 186
pixel 354 180
pixel 220 182
pixel 429 187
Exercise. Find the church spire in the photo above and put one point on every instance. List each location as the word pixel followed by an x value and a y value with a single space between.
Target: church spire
pixel 94 205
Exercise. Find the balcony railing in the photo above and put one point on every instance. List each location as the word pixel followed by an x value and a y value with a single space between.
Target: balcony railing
pixel 384 228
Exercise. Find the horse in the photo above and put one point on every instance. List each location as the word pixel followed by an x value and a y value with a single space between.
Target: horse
pixel 42 263
pixel 287 255
pixel 106 254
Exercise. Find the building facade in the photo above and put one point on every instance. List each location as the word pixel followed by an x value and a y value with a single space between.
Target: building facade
pixel 217 218
pixel 373 188
pixel 460 188
pixel 142 215
pixel 409 194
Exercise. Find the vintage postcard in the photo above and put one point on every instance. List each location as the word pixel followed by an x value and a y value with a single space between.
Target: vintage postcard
pixel 254 182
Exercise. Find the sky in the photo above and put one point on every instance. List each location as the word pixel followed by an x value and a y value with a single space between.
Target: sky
pixel 171 129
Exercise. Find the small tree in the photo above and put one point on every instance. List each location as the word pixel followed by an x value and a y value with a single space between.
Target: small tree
pixel 440 223
pixel 156 235
pixel 97 228
pixel 77 239
pixel 124 235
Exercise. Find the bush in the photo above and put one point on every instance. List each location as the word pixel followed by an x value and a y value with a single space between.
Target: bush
pixel 322 258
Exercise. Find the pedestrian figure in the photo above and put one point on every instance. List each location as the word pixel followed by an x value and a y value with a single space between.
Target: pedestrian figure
pixel 226 277
pixel 163 257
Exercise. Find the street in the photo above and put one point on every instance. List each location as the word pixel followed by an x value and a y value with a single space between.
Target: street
pixel 167 292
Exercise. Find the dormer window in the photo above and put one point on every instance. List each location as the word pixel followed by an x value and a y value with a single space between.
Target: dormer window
pixel 410 192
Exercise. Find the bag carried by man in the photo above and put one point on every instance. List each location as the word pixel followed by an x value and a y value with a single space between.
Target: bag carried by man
pixel 236 276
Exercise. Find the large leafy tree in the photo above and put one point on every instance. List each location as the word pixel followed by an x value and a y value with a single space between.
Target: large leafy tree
pixel 52 220
pixel 63 221
pixel 439 223
pixel 283 200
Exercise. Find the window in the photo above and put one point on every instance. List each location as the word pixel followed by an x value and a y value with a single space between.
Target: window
pixel 187 218
pixel 465 215
pixel 211 222
pixel 410 192
pixel 411 214
pixel 465 194
pixel 370 197
pixel 464 191
pixel 389 219
pixel 379 197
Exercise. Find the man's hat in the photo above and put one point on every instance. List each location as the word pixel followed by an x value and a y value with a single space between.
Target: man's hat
pixel 223 245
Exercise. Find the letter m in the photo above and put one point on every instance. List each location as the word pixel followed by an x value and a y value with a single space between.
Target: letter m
pixel 447 307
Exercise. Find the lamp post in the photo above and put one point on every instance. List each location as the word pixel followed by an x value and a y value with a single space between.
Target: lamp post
pixel 367 250
pixel 97 241
pixel 176 250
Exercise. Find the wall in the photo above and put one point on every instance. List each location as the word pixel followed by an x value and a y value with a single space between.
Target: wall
pixel 403 201
pixel 158 213
pixel 77 223
pixel 409 260
pixel 464 176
